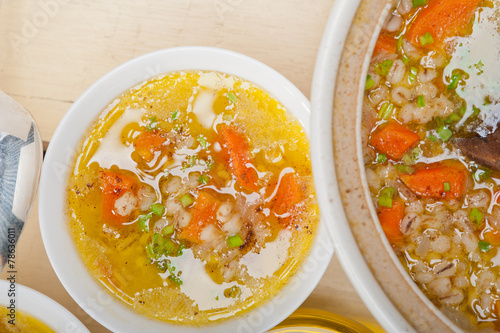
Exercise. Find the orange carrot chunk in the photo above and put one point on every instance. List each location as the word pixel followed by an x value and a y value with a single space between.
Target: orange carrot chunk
pixel 113 186
pixel 441 19
pixel 385 44
pixel 394 139
pixel 203 213
pixel 237 154
pixel 492 236
pixel 287 197
pixel 442 181
pixel 147 143
pixel 390 220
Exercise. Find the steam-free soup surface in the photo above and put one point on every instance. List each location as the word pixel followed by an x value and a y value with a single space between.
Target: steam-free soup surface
pixel 192 199
pixel 22 323
pixel 431 97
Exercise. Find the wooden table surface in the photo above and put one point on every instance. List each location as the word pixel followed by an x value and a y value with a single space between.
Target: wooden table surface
pixel 52 50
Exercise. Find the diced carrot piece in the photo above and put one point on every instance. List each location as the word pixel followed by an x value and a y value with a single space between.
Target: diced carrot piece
pixel 394 139
pixel 430 181
pixel 390 220
pixel 492 236
pixel 237 153
pixel 113 186
pixel 287 197
pixel 385 44
pixel 147 143
pixel 203 213
pixel 441 19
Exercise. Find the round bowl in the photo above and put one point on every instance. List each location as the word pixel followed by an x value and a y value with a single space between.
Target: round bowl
pixel 338 167
pixel 65 259
pixel 40 307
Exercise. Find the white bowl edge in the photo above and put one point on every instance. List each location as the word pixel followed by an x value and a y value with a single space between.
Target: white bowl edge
pixel 59 159
pixel 330 202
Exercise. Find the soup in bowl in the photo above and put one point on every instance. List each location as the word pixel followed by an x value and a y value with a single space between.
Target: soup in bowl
pixel 185 198
pixel 422 175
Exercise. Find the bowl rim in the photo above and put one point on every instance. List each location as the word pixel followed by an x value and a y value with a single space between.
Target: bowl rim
pixel 41 307
pixel 346 230
pixel 57 241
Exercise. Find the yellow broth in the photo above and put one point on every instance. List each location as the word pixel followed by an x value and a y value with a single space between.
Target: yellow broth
pixel 212 277
pixel 23 323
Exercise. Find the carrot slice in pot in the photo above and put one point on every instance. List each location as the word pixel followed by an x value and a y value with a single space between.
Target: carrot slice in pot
pixel 447 181
pixel 390 220
pixel 394 139
pixel 441 19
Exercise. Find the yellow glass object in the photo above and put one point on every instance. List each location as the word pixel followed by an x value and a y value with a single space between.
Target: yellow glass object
pixel 318 321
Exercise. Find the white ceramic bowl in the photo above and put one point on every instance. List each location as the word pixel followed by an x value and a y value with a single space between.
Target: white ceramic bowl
pixel 40 307
pixel 86 291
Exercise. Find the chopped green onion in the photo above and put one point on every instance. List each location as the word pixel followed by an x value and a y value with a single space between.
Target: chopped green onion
pixel 171 269
pixel 231 97
pixel 432 138
pixel 385 196
pixel 418 3
pixel 203 141
pixel 399 45
pixel 385 110
pixel 369 83
pixel 144 222
pixel 462 111
pixel 452 118
pixel 203 179
pixel 420 101
pixel 381 158
pixel 454 81
pixel 152 125
pixel 410 159
pixel 447 187
pixel 404 169
pixel 383 67
pixel 444 133
pixel 405 59
pixel 482 174
pixel 157 209
pixel 151 252
pixel 475 111
pixel 476 216
pixel 234 241
pixel 186 200
pixel 169 229
pixel 413 75
pixel 426 39
pixel 175 114
pixel 168 246
pixel 484 246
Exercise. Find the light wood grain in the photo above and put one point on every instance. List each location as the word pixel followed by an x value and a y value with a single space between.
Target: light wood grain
pixel 52 50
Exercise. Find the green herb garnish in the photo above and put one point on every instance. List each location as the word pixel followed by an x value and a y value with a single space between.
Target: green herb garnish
pixel 175 114
pixel 234 241
pixel 203 179
pixel 412 76
pixel 447 187
pixel 203 141
pixel 418 3
pixel 484 246
pixel 385 110
pixel 169 229
pixel 383 68
pixel 231 97
pixel 157 209
pixel 476 216
pixel 152 125
pixel 420 101
pixel 381 158
pixel 454 81
pixel 426 39
pixel 186 200
pixel 404 168
pixel 444 133
pixel 369 82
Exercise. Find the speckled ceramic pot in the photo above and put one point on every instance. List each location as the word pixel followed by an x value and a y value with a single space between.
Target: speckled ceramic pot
pixel 337 95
